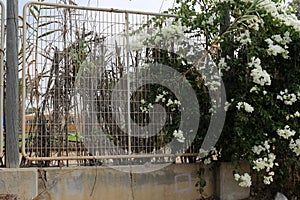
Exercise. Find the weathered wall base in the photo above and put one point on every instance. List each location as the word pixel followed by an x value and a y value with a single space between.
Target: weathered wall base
pixel 104 183
pixel 170 183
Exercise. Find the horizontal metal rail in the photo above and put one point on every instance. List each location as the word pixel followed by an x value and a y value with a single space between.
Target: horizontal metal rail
pixel 111 157
pixel 96 9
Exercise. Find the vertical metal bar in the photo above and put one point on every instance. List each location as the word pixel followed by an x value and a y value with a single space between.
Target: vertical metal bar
pixel 128 82
pixel 1 77
pixel 23 79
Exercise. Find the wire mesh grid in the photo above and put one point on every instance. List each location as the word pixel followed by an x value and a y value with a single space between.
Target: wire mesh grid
pixel 77 71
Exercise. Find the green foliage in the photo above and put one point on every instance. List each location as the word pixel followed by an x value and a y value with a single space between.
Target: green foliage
pixel 251 30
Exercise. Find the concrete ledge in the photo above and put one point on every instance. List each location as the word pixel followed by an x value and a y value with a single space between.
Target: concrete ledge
pixel 21 182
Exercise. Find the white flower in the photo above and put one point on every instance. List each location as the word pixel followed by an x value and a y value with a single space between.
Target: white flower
pixel 144 109
pixel 159 97
pixel 255 22
pixel 207 161
pixel 176 102
pixel 288 99
pixel 265 92
pixel 295 146
pixel 170 102
pixel 244 38
pixel 143 101
pixel 268 179
pixel 203 153
pixel 254 89
pixel 223 65
pixel 259 164
pixel 227 105
pixel 179 136
pixel 269 6
pixel 286 132
pixel 247 107
pixel 244 180
pixel 279 97
pixel 265 163
pixel 277 38
pixel 266 145
pixel 211 19
pixel 274 49
pixel 258 149
pixel 259 75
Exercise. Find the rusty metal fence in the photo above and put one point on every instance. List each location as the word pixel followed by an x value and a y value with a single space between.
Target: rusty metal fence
pixel 73 59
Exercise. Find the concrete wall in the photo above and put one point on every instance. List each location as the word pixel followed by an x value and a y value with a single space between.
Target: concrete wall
pixel 20 182
pixel 104 183
pixel 173 182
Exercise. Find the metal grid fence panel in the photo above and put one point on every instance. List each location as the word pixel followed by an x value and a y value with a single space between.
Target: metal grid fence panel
pixel 76 75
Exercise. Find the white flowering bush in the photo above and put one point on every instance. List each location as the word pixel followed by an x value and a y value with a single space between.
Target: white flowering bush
pixel 256 45
pixel 165 42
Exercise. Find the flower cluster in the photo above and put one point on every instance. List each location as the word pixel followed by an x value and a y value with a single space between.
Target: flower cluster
pixel 275 49
pixel 269 178
pixel 172 104
pixel 244 180
pixel 161 97
pixel 257 149
pixel 244 105
pixel 282 40
pixel 295 115
pixel 179 136
pixel 259 75
pixel 165 37
pixel 244 38
pixel 144 106
pixel 288 99
pixel 255 23
pixel 208 156
pixel 265 162
pixel 223 65
pixel 286 133
pixel 295 146
pixel 279 14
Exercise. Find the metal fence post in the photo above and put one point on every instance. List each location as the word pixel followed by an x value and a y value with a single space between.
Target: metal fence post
pixel 12 97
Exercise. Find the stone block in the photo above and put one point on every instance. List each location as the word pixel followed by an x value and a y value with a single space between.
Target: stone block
pixel 19 182
pixel 227 187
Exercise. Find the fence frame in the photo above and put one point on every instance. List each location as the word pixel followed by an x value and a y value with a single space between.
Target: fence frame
pixel 2 35
pixel 55 5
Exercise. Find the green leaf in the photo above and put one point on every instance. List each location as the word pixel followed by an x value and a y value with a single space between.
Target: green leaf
pixel 33 13
pixel 48 33
pixel 47 23
pixel 202 183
